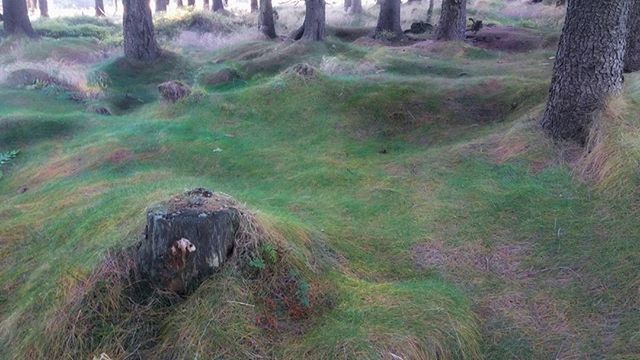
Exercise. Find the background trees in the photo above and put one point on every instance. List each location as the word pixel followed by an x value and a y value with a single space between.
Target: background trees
pixel 453 20
pixel 588 66
pixel 389 20
pixel 139 39
pixel 16 18
pixel 632 57
pixel 313 27
pixel 265 19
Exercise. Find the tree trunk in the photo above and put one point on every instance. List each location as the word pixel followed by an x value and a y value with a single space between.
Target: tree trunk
pixel 187 240
pixel 218 5
pixel 139 39
pixel 265 19
pixel 100 8
pixel 588 66
pixel 44 8
pixel 16 18
pixel 356 7
pixel 632 57
pixel 205 5
pixel 161 5
pixel 179 3
pixel 430 12
pixel 254 6
pixel 191 2
pixel 453 20
pixel 347 5
pixel 388 27
pixel 313 27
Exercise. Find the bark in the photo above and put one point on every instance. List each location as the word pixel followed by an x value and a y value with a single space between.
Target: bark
pixel 185 244
pixel 430 12
pixel 632 57
pixel 179 3
pixel 313 27
pixel 161 5
pixel 254 6
pixel 205 5
pixel 218 5
pixel 139 39
pixel 453 20
pixel 191 2
pixel 16 18
pixel 388 27
pixel 356 7
pixel 100 8
pixel 265 19
pixel 44 8
pixel 588 66
pixel 347 5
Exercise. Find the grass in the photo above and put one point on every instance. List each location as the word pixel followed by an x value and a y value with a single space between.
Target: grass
pixel 416 209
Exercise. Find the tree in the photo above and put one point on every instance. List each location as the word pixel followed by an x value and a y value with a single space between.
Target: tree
pixel 191 2
pixel 161 5
pixel 205 5
pixel 632 56
pixel 265 19
pixel 218 5
pixel 389 21
pixel 313 27
pixel 100 8
pixel 44 8
pixel 347 5
pixel 588 66
pixel 453 20
pixel 430 12
pixel 356 7
pixel 254 6
pixel 180 3
pixel 16 18
pixel 139 39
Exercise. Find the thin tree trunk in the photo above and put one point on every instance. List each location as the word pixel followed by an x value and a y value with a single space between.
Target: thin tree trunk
pixel 265 19
pixel 588 66
pixel 313 27
pixel 356 7
pixel 218 5
pixel 453 20
pixel 205 5
pixel 191 2
pixel 632 57
pixel 44 8
pixel 254 6
pixel 388 27
pixel 430 12
pixel 139 39
pixel 179 3
pixel 100 8
pixel 16 18
pixel 347 5
pixel 161 5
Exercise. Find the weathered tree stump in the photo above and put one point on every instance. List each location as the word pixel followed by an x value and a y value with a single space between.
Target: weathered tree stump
pixel 187 239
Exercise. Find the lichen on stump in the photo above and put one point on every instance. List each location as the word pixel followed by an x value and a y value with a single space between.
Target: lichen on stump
pixel 187 239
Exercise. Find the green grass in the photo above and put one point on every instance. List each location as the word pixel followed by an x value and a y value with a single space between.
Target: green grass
pixel 355 173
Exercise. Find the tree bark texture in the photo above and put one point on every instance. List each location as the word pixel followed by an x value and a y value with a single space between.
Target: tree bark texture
pixel 16 18
pixel 389 21
pixel 453 20
pixel 161 5
pixel 265 19
pixel 100 8
pixel 632 56
pixel 254 6
pixel 356 7
pixel 430 12
pixel 139 39
pixel 44 8
pixel 588 66
pixel 347 5
pixel 218 5
pixel 179 3
pixel 191 2
pixel 186 244
pixel 313 27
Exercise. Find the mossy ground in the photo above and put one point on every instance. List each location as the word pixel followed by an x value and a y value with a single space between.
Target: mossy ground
pixel 453 227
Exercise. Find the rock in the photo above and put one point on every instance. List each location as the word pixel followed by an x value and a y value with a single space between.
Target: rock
pixel 221 77
pixel 174 90
pixel 187 239
pixel 419 27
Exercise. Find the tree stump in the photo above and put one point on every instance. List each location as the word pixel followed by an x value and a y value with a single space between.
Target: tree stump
pixel 187 239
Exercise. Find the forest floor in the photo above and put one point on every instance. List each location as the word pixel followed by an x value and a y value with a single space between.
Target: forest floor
pixel 426 213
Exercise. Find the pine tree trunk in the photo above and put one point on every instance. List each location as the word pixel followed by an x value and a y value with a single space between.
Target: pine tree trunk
pixel 139 39
pixel 218 5
pixel 588 66
pixel 356 7
pixel 179 3
pixel 254 6
pixel 265 20
pixel 100 8
pixel 453 20
pixel 632 57
pixel 161 5
pixel 347 5
pixel 191 2
pixel 313 27
pixel 16 18
pixel 44 8
pixel 388 27
pixel 205 5
pixel 430 12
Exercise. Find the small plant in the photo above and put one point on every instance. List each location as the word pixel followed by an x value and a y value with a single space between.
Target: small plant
pixel 5 157
pixel 257 263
